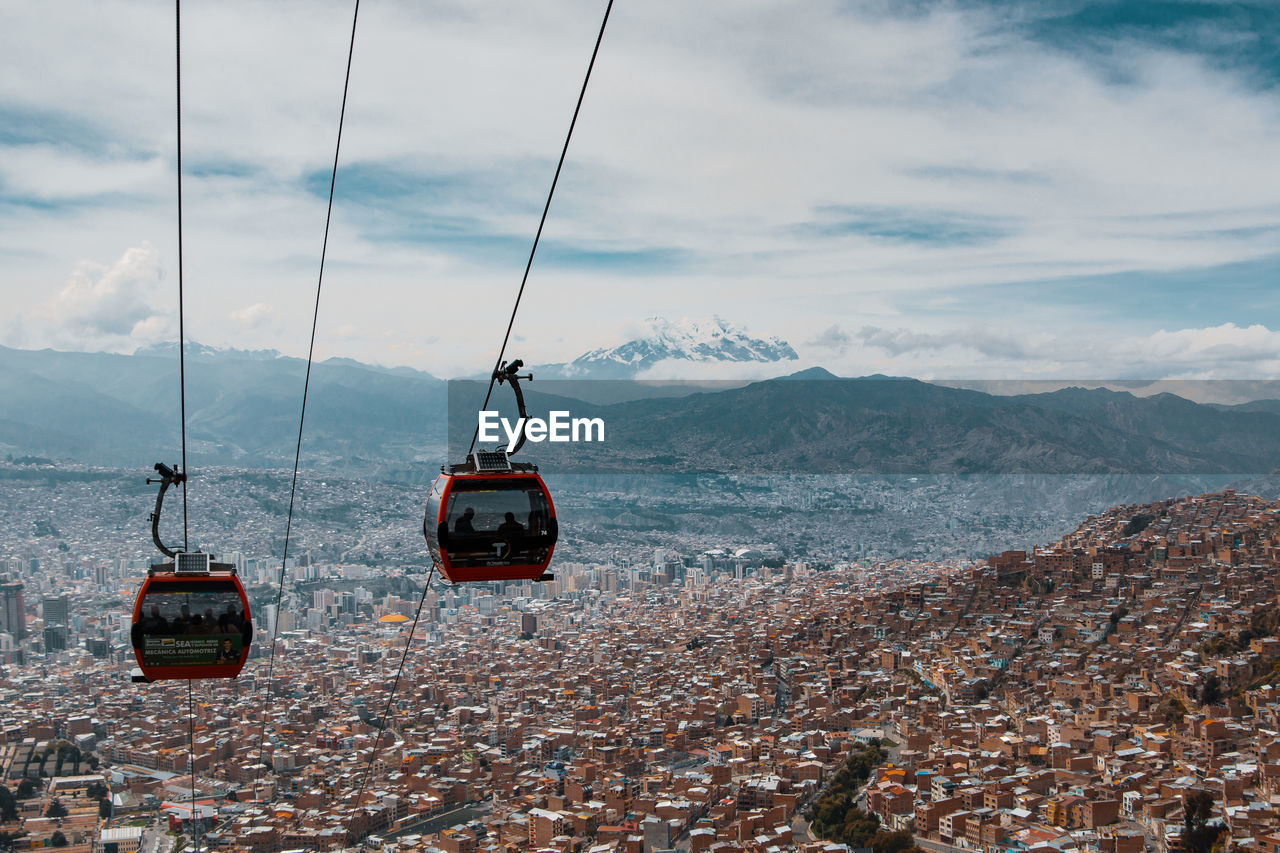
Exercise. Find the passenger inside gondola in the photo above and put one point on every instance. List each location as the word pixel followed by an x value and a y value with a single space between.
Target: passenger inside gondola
pixel 464 524
pixel 155 623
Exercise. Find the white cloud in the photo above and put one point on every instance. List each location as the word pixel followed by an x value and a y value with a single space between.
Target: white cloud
pixel 107 305
pixel 1226 351
pixel 833 339
pixel 46 174
pixel 725 134
pixel 255 316
pixel 1214 349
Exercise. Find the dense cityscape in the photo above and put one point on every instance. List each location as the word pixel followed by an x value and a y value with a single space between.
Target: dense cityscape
pixel 1113 691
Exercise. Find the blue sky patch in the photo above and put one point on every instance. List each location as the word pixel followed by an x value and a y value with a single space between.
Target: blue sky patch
pixel 901 225
pixel 623 261
pixel 215 168
pixel 1241 293
pixel 436 210
pixel 1241 37
pixel 22 125
pixel 386 186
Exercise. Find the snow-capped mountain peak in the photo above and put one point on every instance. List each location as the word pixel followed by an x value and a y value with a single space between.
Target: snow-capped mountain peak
pixel 695 341
pixel 195 349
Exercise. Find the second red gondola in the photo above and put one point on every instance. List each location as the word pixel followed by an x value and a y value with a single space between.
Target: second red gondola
pixel 490 519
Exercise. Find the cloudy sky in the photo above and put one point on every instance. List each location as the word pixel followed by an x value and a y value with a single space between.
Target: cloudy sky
pixel 950 189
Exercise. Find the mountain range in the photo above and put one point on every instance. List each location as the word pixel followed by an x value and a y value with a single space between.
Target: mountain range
pixel 243 409
pixel 815 422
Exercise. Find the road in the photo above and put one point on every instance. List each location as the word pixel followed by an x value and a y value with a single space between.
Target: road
pixel 156 840
pixel 1191 602
pixel 444 820
pixel 800 829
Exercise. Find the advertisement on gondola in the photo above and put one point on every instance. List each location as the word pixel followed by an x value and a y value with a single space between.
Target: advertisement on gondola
pixel 191 650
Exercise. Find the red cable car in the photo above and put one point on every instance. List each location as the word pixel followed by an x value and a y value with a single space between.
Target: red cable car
pixel 191 620
pixel 490 519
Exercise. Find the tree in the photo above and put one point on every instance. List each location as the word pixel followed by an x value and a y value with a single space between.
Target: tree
pixel 859 828
pixel 57 839
pixel 1198 835
pixel 900 841
pixel 96 791
pixel 8 805
pixel 26 789
pixel 56 809
pixel 1210 691
pixel 834 815
pixel 1172 709
pixel 1136 525
pixel 7 838
pixel 104 808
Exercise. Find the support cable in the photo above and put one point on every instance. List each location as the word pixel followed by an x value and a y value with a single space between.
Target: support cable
pixel 386 712
pixel 546 208
pixel 182 345
pixel 182 392
pixel 306 385
pixel 191 757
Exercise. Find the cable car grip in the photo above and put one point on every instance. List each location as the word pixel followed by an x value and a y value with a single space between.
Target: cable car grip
pixel 168 477
pixel 510 372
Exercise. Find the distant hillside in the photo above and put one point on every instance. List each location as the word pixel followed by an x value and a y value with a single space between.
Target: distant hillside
pixel 368 421
pixel 242 408
pixel 816 423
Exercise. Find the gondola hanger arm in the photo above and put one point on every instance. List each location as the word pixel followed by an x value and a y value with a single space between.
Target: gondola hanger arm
pixel 509 372
pixel 168 477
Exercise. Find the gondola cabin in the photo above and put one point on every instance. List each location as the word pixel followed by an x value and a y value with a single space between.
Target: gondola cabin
pixel 191 620
pixel 490 519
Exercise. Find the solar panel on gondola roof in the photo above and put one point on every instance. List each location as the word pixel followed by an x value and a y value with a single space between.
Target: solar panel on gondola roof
pixel 192 562
pixel 491 460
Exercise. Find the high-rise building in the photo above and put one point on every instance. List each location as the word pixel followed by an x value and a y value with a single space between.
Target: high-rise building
pixel 56 610
pixel 55 638
pixel 13 618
